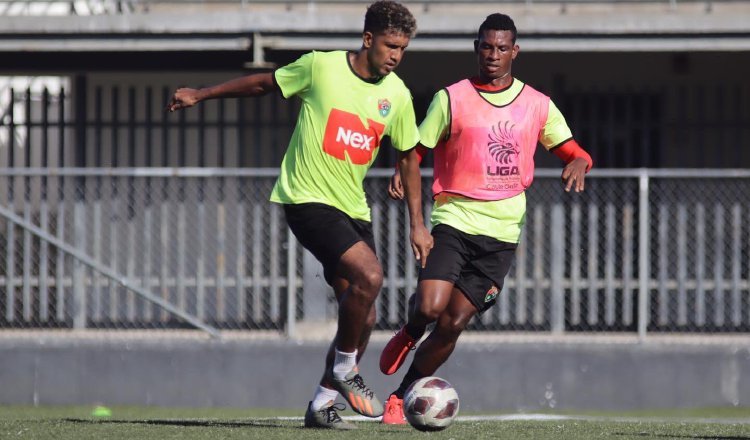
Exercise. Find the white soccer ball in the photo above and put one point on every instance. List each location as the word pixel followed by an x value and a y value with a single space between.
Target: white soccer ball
pixel 430 404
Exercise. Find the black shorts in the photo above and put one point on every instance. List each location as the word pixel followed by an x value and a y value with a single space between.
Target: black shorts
pixel 476 264
pixel 327 233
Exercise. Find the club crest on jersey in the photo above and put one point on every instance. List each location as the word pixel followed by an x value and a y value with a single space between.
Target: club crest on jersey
pixel 491 294
pixel 384 107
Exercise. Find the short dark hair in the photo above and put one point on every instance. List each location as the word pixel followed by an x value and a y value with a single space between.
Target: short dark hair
pixel 497 22
pixel 386 16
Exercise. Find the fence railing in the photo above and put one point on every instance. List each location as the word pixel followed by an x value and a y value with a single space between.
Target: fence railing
pixel 639 251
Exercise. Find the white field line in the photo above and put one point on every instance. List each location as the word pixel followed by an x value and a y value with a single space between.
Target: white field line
pixel 556 417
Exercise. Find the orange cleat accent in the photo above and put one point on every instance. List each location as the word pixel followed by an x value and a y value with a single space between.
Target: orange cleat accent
pixel 394 411
pixel 395 351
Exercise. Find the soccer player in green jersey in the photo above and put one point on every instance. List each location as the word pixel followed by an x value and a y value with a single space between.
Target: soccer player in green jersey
pixel 350 101
pixel 483 132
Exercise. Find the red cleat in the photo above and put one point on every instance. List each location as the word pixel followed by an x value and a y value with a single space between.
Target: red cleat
pixel 395 351
pixel 394 411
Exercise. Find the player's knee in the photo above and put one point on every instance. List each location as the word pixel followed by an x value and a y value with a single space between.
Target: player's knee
pixel 371 281
pixel 428 312
pixel 452 327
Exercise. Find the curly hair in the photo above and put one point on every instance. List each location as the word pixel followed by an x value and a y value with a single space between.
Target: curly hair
pixel 497 22
pixel 386 16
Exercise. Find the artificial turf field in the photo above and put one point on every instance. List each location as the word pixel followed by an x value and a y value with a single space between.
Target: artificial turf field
pixel 145 423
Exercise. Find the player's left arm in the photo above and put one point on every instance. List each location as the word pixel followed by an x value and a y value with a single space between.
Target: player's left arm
pixel 558 139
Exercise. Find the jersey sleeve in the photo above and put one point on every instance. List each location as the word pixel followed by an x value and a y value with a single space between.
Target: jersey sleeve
pixel 296 78
pixel 437 121
pixel 403 129
pixel 555 131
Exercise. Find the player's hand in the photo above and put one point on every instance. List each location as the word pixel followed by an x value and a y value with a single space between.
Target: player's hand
pixel 183 98
pixel 395 189
pixel 421 243
pixel 573 175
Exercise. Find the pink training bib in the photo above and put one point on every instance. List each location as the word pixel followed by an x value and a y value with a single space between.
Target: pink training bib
pixel 489 154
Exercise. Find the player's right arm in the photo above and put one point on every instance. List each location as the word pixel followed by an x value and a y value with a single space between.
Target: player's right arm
pixel 257 84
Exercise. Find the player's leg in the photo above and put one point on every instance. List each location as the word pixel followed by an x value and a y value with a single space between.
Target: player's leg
pixel 312 224
pixel 476 290
pixel 360 267
pixel 447 257
pixel 441 341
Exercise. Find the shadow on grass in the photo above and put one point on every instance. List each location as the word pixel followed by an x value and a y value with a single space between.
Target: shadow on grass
pixel 187 423
pixel 697 436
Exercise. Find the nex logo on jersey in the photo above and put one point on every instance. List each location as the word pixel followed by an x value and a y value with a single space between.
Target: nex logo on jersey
pixel 346 135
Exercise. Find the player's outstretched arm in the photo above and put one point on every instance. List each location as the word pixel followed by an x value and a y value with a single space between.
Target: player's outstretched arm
pixel 257 84
pixel 411 179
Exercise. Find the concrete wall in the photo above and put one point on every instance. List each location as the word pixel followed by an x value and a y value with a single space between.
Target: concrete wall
pixel 506 374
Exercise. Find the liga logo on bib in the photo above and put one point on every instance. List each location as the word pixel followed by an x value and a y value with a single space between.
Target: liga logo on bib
pixel 384 107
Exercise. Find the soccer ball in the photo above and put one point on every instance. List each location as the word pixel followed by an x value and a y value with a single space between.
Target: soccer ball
pixel 430 404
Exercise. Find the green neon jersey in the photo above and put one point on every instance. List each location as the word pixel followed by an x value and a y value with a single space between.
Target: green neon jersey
pixel 500 219
pixel 341 123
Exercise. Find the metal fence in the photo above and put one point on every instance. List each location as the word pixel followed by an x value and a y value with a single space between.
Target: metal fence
pixel 640 251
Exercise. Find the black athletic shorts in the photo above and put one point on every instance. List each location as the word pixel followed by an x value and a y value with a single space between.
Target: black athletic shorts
pixel 476 264
pixel 327 233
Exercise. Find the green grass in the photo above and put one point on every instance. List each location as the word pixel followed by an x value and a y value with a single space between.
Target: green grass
pixel 144 423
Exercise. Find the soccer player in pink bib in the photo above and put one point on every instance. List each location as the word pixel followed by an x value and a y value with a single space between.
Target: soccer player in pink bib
pixel 483 132
pixel 350 101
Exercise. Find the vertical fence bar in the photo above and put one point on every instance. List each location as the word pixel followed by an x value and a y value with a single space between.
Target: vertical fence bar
pixel 539 241
pixel 165 234
pixel 663 262
pixel 240 268
pixel 257 312
pixel 181 253
pixel 79 270
pixel 627 263
pixel 113 289
pixel 44 257
pixel 700 264
pixel 736 311
pixel 609 264
pixel 557 290
pixel 60 256
pixel 27 250
pixel 682 264
pixel 10 260
pixel 592 317
pixel 96 312
pixel 575 264
pixel 644 255
pixel 221 232
pixel 131 247
pixel 718 295
pixel 146 234
pixel 200 292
